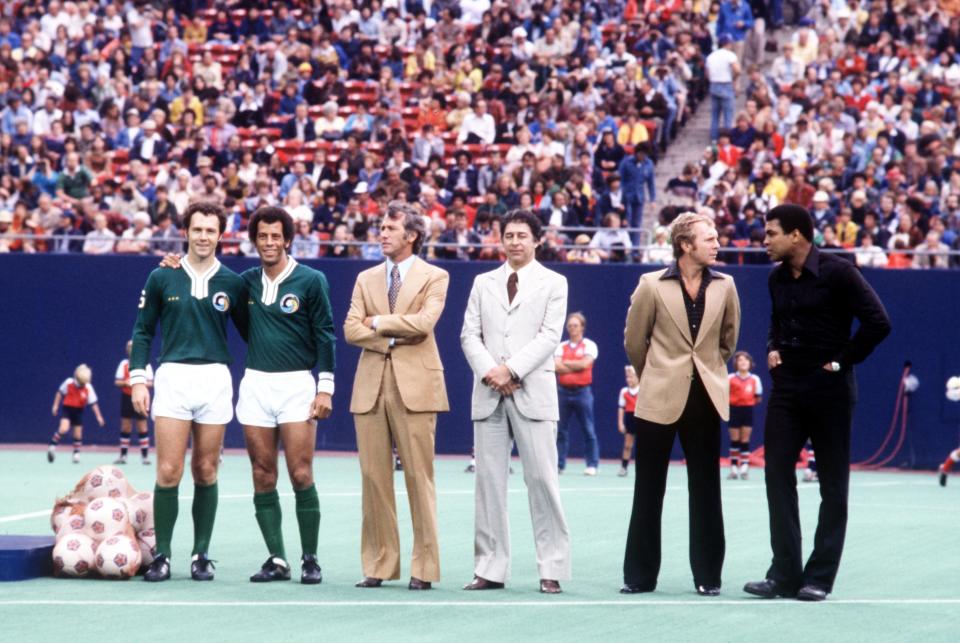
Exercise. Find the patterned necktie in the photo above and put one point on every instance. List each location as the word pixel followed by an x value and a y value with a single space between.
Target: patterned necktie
pixel 512 286
pixel 394 287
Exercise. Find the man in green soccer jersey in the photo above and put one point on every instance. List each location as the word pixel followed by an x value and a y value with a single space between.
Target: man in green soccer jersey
pixel 291 332
pixel 193 386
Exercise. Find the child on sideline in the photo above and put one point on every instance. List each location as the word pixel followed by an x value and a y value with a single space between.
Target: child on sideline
pixel 745 393
pixel 129 415
pixel 626 420
pixel 76 393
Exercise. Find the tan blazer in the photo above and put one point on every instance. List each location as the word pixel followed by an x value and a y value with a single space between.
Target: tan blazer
pixel 659 345
pixel 418 367
pixel 523 335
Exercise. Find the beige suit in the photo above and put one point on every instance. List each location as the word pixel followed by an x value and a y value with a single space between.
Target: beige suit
pixel 523 335
pixel 397 392
pixel 664 354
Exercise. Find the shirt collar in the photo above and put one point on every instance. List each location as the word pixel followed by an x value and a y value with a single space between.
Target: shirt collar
pixel 673 272
pixel 523 273
pixel 404 267
pixel 812 264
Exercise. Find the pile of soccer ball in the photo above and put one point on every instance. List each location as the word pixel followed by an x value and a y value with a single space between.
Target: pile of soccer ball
pixel 103 527
pixel 953 389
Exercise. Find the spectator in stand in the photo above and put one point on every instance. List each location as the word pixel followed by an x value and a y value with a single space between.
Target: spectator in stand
pixel 637 176
pixel 136 239
pixel 723 68
pixel 464 242
pixel 868 255
pixel 101 239
pixel 933 253
pixel 478 126
pixel 660 252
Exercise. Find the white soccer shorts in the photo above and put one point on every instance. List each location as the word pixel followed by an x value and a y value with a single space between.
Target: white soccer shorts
pixel 271 399
pixel 202 393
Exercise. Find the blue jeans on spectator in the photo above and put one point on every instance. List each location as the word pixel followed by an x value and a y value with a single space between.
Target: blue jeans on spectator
pixel 633 204
pixel 722 102
pixel 576 403
pixel 136 53
pixel 775 7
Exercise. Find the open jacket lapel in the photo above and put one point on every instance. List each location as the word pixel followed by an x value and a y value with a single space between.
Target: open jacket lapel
pixel 712 306
pixel 416 277
pixel 673 300
pixel 378 290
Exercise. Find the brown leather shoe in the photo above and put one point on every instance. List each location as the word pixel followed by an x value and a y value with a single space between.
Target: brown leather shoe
pixel 369 581
pixel 482 583
pixel 416 583
pixel 548 586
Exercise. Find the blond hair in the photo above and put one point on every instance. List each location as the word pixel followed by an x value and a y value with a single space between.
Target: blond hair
pixel 82 374
pixel 682 230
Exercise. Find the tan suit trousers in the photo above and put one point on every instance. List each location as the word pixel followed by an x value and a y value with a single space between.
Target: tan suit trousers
pixel 387 423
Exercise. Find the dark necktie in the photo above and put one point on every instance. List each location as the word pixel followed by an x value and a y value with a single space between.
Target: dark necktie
pixel 512 286
pixel 394 287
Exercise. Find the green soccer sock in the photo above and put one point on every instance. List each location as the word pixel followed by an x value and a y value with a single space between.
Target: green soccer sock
pixel 165 508
pixel 308 518
pixel 204 513
pixel 270 518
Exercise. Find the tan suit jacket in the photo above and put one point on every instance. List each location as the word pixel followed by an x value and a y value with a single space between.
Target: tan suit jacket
pixel 419 304
pixel 659 345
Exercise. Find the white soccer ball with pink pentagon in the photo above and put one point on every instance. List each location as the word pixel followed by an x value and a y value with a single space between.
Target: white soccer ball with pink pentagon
pixel 106 482
pixel 105 517
pixel 140 510
pixel 74 555
pixel 147 540
pixel 118 557
pixel 73 525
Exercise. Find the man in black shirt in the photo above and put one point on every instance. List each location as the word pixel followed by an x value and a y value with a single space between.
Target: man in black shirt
pixel 816 296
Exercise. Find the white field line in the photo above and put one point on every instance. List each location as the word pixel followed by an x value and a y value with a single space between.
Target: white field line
pixel 469 492
pixel 561 603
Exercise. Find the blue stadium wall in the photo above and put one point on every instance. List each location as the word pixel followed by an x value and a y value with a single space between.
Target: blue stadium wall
pixel 58 311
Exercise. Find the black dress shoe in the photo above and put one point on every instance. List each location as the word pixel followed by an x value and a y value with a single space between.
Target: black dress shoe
pixel 416 583
pixel 482 583
pixel 310 572
pixel 159 570
pixel 811 593
pixel 708 590
pixel 369 581
pixel 636 588
pixel 548 586
pixel 201 568
pixel 768 588
pixel 275 568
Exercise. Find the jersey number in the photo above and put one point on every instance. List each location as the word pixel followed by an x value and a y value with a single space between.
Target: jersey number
pixel 143 299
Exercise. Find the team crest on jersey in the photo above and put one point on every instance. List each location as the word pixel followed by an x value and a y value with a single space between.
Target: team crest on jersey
pixel 290 304
pixel 221 301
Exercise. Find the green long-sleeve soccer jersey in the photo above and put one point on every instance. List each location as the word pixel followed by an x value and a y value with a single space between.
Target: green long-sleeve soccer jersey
pixel 290 320
pixel 192 310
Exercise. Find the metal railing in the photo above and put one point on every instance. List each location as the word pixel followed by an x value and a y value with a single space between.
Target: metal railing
pixel 232 245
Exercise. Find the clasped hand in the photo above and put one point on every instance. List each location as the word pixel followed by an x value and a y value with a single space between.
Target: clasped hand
pixel 500 379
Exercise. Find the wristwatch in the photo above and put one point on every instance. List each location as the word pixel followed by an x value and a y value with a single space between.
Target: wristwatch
pixel 835 367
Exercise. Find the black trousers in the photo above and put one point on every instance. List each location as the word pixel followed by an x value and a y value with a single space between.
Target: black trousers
pixel 699 430
pixel 818 405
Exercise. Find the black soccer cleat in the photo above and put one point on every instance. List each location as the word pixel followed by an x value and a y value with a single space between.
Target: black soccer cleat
pixel 159 570
pixel 310 574
pixel 201 568
pixel 943 476
pixel 275 568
